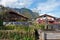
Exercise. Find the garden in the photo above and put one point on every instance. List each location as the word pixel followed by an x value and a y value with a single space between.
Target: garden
pixel 19 32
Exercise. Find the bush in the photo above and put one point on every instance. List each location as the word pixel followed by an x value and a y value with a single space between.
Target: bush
pixel 39 26
pixel 42 27
pixel 16 35
pixel 1 34
pixel 1 23
pixel 10 27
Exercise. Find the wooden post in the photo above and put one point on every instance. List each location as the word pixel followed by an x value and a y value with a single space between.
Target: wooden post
pixel 43 36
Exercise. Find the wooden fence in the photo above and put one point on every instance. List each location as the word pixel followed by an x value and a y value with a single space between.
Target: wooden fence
pixel 49 35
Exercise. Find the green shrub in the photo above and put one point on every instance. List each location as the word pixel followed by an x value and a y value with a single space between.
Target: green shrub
pixel 10 27
pixel 39 26
pixel 16 35
pixel 12 34
pixel 1 34
pixel 1 23
pixel 2 27
pixel 42 26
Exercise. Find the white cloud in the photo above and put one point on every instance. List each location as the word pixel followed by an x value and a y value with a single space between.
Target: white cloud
pixel 47 6
pixel 44 8
pixel 7 2
pixel 25 3
pixel 16 3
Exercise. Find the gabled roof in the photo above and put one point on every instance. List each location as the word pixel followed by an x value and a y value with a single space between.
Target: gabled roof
pixel 47 15
pixel 15 12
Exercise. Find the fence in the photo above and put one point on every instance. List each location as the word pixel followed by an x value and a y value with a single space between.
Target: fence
pixel 50 35
pixel 16 23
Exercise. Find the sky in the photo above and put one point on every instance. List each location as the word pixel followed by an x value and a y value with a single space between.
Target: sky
pixel 50 7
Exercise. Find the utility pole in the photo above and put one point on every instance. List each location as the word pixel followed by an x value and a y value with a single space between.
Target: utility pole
pixel 46 22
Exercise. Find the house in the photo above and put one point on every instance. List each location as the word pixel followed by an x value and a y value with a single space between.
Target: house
pixel 13 16
pixel 50 22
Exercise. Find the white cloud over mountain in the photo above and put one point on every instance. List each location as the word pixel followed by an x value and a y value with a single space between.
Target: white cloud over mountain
pixel 42 7
pixel 16 3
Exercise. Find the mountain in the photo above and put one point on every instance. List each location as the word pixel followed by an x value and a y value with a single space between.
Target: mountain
pixel 24 11
pixel 27 12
